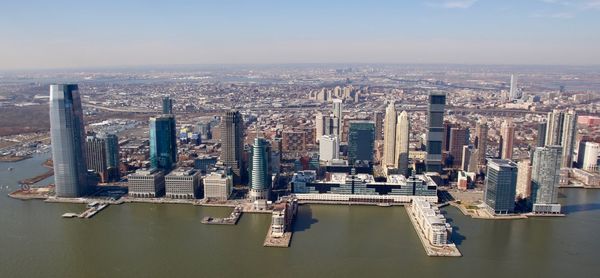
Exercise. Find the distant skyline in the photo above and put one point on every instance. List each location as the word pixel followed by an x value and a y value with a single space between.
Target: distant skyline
pixel 79 34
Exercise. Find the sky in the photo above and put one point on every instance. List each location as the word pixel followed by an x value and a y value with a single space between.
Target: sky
pixel 76 34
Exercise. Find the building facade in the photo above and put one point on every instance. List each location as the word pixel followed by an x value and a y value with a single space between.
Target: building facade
pixel 500 186
pixel 146 184
pixel 435 125
pixel 183 184
pixel 361 141
pixel 217 186
pixel 233 144
pixel 163 142
pixel 545 179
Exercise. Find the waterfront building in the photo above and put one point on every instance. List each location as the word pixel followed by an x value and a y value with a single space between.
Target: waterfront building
pixel 431 222
pixel 435 125
pixel 587 156
pixel 554 128
pixel 96 156
pixel 389 136
pixel 233 144
pixel 112 156
pixel 541 134
pixel 183 183
pixel 163 144
pixel 355 187
pixel 500 186
pixel 507 136
pixel 167 105
pixel 459 137
pixel 329 148
pixel 68 141
pixel 523 190
pixel 568 138
pixel 361 141
pixel 260 181
pixel 402 143
pixel 146 183
pixel 217 186
pixel 545 179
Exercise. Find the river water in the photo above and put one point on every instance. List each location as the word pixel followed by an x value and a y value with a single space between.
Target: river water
pixel 148 240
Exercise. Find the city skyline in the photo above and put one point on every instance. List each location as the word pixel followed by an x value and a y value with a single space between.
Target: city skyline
pixel 267 32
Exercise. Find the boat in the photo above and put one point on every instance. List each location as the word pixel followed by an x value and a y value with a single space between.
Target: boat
pixel 384 205
pixel 10 168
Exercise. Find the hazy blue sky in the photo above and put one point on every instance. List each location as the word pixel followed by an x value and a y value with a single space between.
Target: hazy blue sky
pixel 50 34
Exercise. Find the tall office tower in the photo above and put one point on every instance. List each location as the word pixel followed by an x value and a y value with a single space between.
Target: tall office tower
pixel 68 141
pixel 514 91
pixel 524 179
pixel 545 177
pixel 167 105
pixel 554 129
pixel 361 141
pixel 541 134
pixel 435 123
pixel 587 156
pixel 402 143
pixel 507 132
pixel 389 136
pixel 112 156
pixel 378 119
pixel 319 126
pixel 233 144
pixel 446 137
pixel 329 148
pixel 459 137
pixel 500 186
pixel 260 181
pixel 95 151
pixel 337 117
pixel 481 139
pixel 469 162
pixel 163 144
pixel 568 138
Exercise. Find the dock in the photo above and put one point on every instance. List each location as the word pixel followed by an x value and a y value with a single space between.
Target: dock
pixel 283 241
pixel 231 220
pixel 448 250
pixel 93 209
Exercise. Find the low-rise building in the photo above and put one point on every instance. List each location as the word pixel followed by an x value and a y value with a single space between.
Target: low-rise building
pixel 183 183
pixel 146 183
pixel 217 186
pixel 431 222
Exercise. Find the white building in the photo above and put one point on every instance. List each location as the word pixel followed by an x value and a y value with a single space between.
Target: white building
pixel 146 184
pixel 182 184
pixel 217 186
pixel 329 147
pixel 587 156
pixel 431 222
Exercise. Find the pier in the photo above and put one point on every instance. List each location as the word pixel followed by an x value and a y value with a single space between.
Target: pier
pixel 93 209
pixel 446 250
pixel 281 229
pixel 231 220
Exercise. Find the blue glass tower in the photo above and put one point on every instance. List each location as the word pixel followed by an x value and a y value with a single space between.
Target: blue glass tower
pixel 361 141
pixel 68 141
pixel 163 145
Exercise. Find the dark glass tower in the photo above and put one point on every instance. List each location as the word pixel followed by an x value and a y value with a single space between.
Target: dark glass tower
pixel 233 144
pixel 500 186
pixel 167 105
pixel 163 145
pixel 361 141
pixel 435 132
pixel 68 141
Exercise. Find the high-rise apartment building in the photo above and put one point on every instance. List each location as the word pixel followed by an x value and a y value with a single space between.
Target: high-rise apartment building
pixel 507 135
pixel 402 143
pixel 481 139
pixel 459 137
pixel 329 148
pixel 68 141
pixel 389 136
pixel 545 178
pixel 568 138
pixel 338 117
pixel 523 190
pixel 260 178
pixel 541 134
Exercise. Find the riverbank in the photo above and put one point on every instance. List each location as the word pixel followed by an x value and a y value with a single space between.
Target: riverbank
pixel 13 158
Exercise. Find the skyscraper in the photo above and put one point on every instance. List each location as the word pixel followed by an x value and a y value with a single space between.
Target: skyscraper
pixel 481 142
pixel 469 162
pixel 112 156
pixel 324 125
pixel 541 134
pixel 163 144
pixel 500 186
pixel 514 91
pixel 545 176
pixel 568 138
pixel 389 136
pixel 96 156
pixel 402 143
pixel 459 137
pixel 554 129
pixel 329 148
pixel 378 119
pixel 260 181
pixel 68 145
pixel 523 190
pixel 337 117
pixel 507 132
pixel 435 123
pixel 233 144
pixel 167 105
pixel 361 141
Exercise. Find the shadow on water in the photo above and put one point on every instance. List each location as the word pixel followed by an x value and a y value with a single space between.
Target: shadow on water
pixel 304 219
pixel 456 237
pixel 568 209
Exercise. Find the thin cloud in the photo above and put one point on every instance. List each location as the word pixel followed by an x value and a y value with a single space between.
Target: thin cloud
pixel 452 4
pixel 560 15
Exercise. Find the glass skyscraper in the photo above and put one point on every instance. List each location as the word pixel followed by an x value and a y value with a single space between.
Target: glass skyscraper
pixel 260 179
pixel 500 186
pixel 545 176
pixel 361 141
pixel 232 144
pixel 68 141
pixel 163 145
pixel 167 105
pixel 435 132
